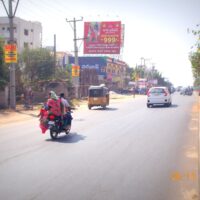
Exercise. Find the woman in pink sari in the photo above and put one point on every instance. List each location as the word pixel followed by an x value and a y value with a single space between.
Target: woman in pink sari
pixel 54 104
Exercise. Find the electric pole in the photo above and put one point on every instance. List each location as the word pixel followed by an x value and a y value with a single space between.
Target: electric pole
pixel 54 52
pixel 11 16
pixel 76 80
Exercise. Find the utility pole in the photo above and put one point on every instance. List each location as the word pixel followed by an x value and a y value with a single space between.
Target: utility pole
pixel 76 80
pixel 54 52
pixel 11 16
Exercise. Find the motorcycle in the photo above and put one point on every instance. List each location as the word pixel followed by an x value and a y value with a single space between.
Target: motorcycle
pixel 57 125
pixel 189 93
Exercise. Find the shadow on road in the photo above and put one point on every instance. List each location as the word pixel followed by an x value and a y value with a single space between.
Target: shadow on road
pixel 105 109
pixel 162 106
pixel 173 106
pixel 71 138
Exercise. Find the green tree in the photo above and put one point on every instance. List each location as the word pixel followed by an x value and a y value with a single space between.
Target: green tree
pixel 4 71
pixel 36 65
pixel 148 73
pixel 195 58
pixel 195 61
pixel 64 74
pixel 138 72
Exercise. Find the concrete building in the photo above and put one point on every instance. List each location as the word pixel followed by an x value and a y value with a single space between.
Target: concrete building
pixel 116 71
pixel 26 33
pixel 109 71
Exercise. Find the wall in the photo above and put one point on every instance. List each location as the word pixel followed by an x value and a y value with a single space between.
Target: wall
pixel 57 87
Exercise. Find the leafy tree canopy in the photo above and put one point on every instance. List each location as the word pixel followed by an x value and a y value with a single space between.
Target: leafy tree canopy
pixel 195 58
pixel 38 64
pixel 4 70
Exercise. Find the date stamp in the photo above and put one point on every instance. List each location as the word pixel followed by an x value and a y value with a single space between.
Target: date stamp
pixel 184 176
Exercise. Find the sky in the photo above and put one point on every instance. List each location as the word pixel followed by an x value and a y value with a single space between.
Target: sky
pixel 156 30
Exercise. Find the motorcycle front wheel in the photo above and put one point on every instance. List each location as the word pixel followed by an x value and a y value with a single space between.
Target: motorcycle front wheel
pixel 53 134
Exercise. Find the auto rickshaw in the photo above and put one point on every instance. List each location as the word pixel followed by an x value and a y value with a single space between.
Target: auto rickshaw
pixel 98 96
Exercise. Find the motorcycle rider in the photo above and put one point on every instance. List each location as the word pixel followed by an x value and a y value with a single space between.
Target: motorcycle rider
pixel 60 108
pixel 54 104
pixel 66 112
pixel 65 103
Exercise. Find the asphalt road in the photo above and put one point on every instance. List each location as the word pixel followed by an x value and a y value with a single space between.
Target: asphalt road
pixel 126 152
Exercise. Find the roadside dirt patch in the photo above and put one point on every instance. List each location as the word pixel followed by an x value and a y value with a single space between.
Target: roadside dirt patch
pixel 9 116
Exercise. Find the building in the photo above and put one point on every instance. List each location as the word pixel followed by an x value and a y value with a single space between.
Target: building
pixel 109 71
pixel 62 58
pixel 26 33
pixel 116 74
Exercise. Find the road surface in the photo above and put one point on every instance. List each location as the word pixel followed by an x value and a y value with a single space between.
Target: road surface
pixel 126 152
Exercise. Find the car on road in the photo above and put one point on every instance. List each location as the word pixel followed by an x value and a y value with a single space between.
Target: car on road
pixel 183 91
pixel 158 96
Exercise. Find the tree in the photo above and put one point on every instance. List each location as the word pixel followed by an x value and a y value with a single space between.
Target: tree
pixel 149 74
pixel 195 61
pixel 138 72
pixel 36 65
pixel 4 71
pixel 195 58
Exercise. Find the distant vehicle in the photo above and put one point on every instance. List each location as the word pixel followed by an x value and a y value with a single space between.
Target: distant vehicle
pixel 182 91
pixel 189 91
pixel 98 96
pixel 158 96
pixel 186 91
pixel 172 89
pixel 142 91
pixel 178 89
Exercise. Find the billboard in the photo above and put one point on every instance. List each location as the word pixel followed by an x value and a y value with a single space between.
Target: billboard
pixel 142 83
pixel 102 37
pixel 98 63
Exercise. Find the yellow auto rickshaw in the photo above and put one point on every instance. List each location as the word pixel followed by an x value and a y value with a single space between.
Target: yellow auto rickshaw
pixel 98 96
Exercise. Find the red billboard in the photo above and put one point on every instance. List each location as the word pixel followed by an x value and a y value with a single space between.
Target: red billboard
pixel 102 37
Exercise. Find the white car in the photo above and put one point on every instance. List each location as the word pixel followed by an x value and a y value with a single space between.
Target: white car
pixel 158 96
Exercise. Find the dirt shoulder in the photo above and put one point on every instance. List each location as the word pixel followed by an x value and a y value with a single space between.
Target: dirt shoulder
pixel 20 114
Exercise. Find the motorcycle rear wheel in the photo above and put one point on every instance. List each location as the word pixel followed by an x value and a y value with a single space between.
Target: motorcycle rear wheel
pixel 68 130
pixel 53 134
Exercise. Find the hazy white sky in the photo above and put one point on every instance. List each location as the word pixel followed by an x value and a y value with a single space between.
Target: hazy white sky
pixel 154 29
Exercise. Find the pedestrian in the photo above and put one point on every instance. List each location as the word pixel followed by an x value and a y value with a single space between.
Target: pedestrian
pixel 22 98
pixel 133 91
pixel 30 98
